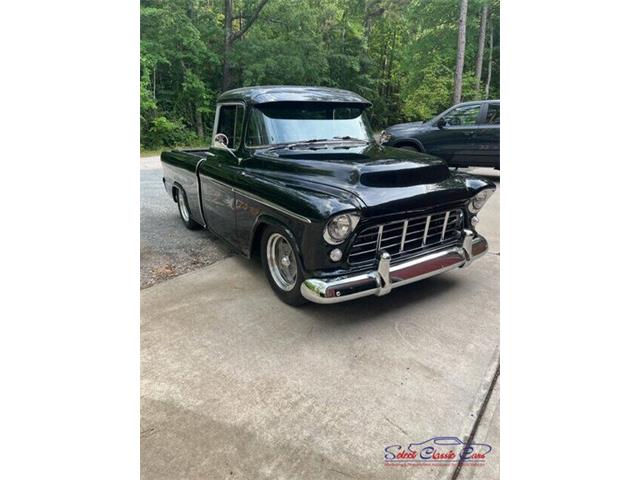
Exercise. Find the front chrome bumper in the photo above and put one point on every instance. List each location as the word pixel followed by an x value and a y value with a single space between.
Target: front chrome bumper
pixel 381 281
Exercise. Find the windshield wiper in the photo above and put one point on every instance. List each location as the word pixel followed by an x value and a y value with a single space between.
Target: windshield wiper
pixel 304 142
pixel 321 140
pixel 348 137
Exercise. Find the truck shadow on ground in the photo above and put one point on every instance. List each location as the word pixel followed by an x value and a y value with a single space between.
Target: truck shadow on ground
pixel 368 309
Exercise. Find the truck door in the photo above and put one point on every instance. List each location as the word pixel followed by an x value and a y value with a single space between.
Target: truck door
pixel 219 171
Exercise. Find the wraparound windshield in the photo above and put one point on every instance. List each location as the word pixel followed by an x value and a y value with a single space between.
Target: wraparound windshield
pixel 292 122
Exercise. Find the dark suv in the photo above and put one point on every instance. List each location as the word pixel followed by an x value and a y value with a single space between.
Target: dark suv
pixel 466 135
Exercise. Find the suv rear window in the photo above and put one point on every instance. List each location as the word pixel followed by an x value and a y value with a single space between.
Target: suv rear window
pixel 493 114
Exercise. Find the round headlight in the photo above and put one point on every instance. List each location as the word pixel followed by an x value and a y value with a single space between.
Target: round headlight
pixel 478 201
pixel 340 227
pixel 384 137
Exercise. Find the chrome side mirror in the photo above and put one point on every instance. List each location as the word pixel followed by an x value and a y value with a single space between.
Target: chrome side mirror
pixel 222 139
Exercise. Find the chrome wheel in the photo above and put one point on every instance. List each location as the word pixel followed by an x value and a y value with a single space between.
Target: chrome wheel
pixel 282 262
pixel 182 205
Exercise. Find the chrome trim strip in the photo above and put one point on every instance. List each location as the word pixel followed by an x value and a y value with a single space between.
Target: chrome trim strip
pixel 426 230
pixel 200 206
pixel 404 235
pixel 380 229
pixel 444 225
pixel 271 205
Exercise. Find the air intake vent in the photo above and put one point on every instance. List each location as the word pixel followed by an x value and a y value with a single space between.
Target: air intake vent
pixel 405 178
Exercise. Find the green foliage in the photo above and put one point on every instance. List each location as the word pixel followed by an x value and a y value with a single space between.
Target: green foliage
pixel 167 133
pixel 284 48
pixel 400 54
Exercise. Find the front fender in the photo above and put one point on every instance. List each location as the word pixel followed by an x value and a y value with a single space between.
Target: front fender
pixel 309 244
pixel 475 184
pixel 313 201
pixel 302 208
pixel 266 219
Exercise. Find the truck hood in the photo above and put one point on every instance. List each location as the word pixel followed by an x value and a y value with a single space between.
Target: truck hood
pixel 380 180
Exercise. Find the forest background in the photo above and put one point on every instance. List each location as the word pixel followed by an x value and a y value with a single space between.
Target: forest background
pixel 410 58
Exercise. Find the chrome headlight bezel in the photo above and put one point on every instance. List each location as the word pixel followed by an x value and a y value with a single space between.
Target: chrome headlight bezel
pixel 331 233
pixel 479 200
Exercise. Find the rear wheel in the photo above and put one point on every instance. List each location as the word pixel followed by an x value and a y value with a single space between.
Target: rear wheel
pixel 282 265
pixel 185 213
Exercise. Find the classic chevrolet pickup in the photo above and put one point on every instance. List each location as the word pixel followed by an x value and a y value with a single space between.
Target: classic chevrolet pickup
pixel 294 175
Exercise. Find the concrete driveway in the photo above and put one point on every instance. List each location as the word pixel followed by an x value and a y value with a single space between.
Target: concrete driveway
pixel 236 384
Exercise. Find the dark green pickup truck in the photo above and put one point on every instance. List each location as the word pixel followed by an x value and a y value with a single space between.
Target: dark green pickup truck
pixel 294 175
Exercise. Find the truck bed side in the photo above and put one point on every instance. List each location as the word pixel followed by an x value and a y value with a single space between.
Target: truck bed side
pixel 179 167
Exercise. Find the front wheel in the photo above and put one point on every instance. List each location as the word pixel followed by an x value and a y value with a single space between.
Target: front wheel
pixel 282 265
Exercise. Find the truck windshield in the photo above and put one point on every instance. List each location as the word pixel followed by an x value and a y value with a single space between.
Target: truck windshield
pixel 299 122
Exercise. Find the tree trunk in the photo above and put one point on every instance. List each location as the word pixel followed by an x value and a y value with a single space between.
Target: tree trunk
pixel 390 66
pixel 228 44
pixel 481 42
pixel 488 85
pixel 462 31
pixel 230 37
pixel 199 125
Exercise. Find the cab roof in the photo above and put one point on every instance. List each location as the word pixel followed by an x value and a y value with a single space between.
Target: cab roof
pixel 289 93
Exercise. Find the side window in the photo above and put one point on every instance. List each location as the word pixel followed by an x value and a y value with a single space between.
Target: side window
pixel 230 123
pixel 256 133
pixel 493 114
pixel 464 115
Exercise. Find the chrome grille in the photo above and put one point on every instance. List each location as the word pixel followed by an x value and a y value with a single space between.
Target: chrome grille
pixel 404 237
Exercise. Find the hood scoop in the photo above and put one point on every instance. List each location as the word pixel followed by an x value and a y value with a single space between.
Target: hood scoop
pixel 405 177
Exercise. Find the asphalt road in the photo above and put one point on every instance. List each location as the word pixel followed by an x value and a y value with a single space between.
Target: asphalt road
pixel 167 248
pixel 236 384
